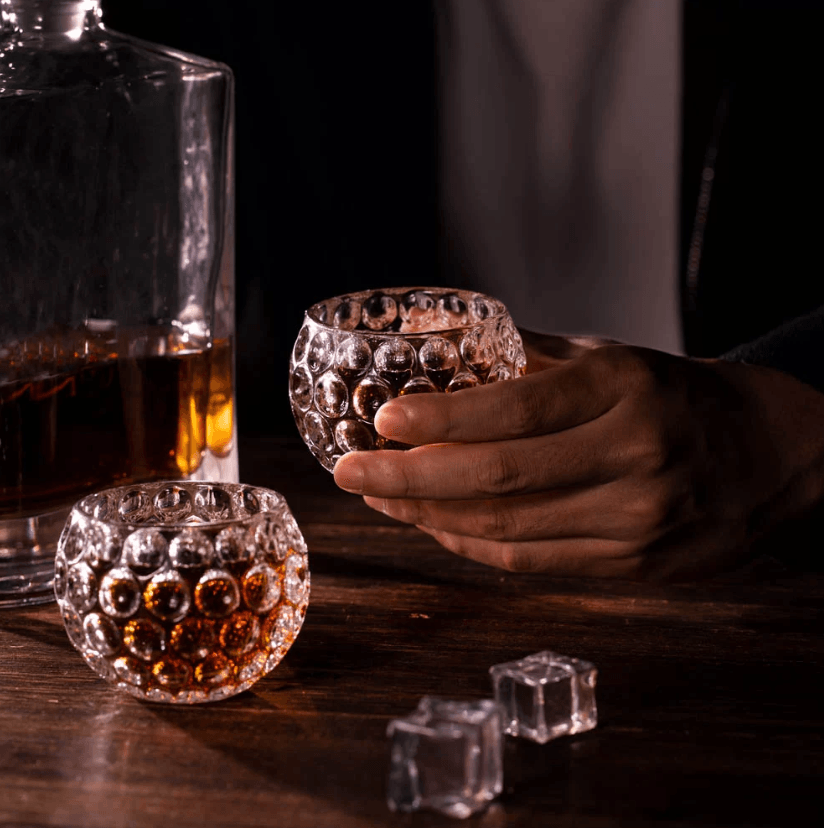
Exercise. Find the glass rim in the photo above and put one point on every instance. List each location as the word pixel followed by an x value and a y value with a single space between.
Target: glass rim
pixel 88 506
pixel 499 311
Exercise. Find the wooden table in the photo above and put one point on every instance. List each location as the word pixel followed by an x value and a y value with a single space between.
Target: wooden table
pixel 710 696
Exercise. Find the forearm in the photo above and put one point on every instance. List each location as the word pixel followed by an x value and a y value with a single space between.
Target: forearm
pixel 796 348
pixel 782 432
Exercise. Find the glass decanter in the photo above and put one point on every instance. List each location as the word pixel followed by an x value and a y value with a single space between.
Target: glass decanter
pixel 116 273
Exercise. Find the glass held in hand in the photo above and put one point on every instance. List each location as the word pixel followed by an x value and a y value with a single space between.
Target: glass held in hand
pixel 353 353
pixel 182 592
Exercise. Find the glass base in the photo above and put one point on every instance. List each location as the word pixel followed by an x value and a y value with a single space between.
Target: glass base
pixel 27 549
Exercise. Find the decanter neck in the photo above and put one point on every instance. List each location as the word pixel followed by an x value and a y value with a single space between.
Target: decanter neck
pixel 49 17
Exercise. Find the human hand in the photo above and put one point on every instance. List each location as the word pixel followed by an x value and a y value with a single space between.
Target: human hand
pixel 610 461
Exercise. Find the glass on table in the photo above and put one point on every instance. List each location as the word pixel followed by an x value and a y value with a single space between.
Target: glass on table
pixel 182 592
pixel 355 352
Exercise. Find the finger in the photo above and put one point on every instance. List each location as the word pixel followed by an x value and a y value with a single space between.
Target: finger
pixel 546 351
pixel 566 557
pixel 611 511
pixel 580 456
pixel 547 401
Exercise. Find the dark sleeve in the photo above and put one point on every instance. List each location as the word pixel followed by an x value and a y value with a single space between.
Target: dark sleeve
pixel 796 348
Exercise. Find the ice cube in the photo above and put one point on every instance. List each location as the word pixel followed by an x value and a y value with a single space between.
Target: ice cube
pixel 446 756
pixel 546 695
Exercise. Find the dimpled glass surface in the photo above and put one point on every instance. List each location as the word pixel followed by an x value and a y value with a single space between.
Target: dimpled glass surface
pixel 182 592
pixel 546 695
pixel 446 756
pixel 355 352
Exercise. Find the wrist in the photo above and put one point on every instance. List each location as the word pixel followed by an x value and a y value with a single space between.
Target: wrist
pixel 780 423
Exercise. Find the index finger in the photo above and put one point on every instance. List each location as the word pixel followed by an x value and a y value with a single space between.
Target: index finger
pixel 547 401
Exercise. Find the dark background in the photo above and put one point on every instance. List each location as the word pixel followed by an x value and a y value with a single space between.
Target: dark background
pixel 335 180
pixel 336 173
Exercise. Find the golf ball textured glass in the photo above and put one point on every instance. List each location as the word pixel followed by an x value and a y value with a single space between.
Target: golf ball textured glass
pixel 182 592
pixel 355 352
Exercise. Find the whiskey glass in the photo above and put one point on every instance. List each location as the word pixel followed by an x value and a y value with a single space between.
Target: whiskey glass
pixel 182 592
pixel 355 352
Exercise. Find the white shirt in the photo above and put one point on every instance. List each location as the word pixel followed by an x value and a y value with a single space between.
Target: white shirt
pixel 560 160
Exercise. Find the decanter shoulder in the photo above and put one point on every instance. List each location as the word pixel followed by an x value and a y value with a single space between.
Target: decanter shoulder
pixel 99 57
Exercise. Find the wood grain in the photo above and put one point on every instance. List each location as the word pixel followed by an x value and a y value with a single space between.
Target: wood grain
pixel 709 694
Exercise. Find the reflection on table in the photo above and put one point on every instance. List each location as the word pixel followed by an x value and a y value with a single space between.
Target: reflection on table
pixel 708 694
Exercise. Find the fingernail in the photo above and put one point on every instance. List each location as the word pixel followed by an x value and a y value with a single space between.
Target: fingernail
pixel 391 421
pixel 349 476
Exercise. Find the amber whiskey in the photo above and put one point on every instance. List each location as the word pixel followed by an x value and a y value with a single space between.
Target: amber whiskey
pixel 80 413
